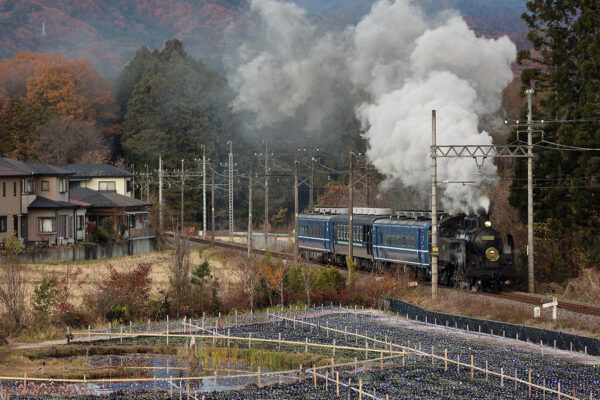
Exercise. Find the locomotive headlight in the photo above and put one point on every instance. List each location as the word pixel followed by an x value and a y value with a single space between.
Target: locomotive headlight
pixel 488 224
pixel 492 254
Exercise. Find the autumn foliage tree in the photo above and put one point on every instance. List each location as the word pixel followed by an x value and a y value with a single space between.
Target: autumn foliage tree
pixel 38 89
pixel 128 289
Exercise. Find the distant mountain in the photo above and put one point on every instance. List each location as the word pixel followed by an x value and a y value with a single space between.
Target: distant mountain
pixel 108 32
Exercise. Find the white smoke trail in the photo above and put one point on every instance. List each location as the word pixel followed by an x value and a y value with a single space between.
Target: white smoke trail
pixel 408 64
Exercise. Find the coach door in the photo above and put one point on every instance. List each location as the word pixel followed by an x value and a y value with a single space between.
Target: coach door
pixel 367 238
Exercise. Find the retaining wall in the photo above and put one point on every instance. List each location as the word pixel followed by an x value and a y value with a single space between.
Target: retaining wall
pixel 562 340
pixel 88 251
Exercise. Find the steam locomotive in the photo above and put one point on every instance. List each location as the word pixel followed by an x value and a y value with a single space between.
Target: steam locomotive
pixel 471 255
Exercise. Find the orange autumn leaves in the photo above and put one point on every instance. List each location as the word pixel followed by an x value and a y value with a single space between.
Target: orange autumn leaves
pixel 58 86
pixel 38 88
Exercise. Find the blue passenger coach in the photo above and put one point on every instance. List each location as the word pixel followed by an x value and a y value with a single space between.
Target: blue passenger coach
pixel 314 236
pixel 401 241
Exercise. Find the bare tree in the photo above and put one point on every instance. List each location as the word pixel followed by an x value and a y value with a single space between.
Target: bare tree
pixel 248 272
pixel 180 270
pixel 307 280
pixel 63 141
pixel 12 282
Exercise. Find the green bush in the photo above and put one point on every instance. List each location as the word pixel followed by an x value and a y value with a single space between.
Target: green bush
pixel 329 279
pixel 118 313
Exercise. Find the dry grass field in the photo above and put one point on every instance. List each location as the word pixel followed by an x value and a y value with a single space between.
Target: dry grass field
pixel 92 272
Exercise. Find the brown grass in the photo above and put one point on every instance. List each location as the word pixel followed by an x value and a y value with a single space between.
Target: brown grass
pixel 94 272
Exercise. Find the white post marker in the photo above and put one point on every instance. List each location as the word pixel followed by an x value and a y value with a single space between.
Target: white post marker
pixel 554 305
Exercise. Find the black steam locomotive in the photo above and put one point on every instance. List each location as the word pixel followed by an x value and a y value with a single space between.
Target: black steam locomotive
pixel 471 254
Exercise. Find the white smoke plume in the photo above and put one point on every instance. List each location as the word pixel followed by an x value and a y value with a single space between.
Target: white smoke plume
pixel 407 64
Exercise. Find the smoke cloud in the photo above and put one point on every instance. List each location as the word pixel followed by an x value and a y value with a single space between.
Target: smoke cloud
pixel 403 64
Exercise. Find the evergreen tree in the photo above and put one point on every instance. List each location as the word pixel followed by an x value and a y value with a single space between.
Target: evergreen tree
pixel 564 69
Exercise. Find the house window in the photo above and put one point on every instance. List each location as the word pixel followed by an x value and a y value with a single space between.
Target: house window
pixel 3 223
pixel 46 225
pixel 107 186
pixel 3 189
pixel 29 186
pixel 14 188
pixel 129 186
pixel 80 222
pixel 45 186
pixel 63 185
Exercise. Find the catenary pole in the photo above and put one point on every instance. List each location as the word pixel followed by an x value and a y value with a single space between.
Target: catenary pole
pixel 182 185
pixel 351 211
pixel 230 190
pixel 204 227
pixel 160 194
pixel 530 253
pixel 310 189
pixel 250 214
pixel 434 238
pixel 296 208
pixel 266 195
pixel 212 207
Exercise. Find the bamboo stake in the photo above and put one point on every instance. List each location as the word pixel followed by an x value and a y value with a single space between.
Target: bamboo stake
pixel 259 377
pixel 529 377
pixel 360 389
pixel 337 383
pixel 445 359
pixel 472 372
pixel 314 376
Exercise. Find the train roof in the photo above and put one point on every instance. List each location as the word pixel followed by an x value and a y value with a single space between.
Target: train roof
pixel 357 219
pixel 403 222
pixel 319 217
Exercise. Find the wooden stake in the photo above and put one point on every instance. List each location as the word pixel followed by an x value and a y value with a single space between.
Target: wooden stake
pixel 259 377
pixel 559 390
pixel 314 376
pixel 381 361
pixel 445 359
pixel 472 372
pixel 486 370
pixel 360 389
pixel 529 376
pixel 188 391
pixel 337 382
pixel 502 377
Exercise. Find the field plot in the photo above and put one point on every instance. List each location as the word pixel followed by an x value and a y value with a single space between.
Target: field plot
pixel 319 353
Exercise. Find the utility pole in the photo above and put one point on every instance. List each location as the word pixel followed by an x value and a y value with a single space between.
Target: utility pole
pixel 266 195
pixel 310 188
pixel 250 214
pixel 147 184
pixel 230 164
pixel 212 205
pixel 351 212
pixel 160 194
pixel 296 208
pixel 204 227
pixel 530 259
pixel 368 177
pixel 182 185
pixel 434 238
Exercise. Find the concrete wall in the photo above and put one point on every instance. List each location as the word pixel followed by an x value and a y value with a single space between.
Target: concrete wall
pixel 87 251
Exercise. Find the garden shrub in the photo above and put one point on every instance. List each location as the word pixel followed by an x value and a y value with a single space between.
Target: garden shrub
pixel 118 313
pixel 76 318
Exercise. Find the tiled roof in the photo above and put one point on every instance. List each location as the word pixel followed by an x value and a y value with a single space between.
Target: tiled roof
pixel 44 203
pixel 9 171
pixel 96 170
pixel 33 168
pixel 105 199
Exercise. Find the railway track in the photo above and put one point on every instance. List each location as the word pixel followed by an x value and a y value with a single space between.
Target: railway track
pixel 516 296
pixel 528 299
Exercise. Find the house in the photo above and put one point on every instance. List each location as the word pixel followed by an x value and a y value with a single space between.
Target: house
pixel 114 213
pixel 36 199
pixel 101 177
pixel 10 201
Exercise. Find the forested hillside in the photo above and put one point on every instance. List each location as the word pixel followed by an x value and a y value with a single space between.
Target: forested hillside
pixel 109 32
